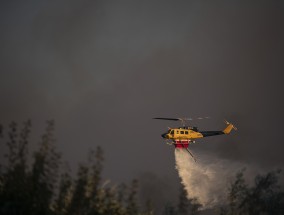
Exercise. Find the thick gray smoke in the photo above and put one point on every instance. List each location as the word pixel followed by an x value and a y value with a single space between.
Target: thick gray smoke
pixel 208 178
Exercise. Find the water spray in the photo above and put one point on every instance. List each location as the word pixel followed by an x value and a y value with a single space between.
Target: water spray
pixel 207 179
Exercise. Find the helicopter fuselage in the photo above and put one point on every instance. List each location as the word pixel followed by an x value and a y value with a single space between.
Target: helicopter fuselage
pixel 181 137
pixel 184 135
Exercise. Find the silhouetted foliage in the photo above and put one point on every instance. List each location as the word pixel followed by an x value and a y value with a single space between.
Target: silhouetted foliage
pixel 15 179
pixel 170 209
pixel 44 172
pixel 187 205
pixel 63 199
pixel 34 186
pixel 31 188
pixel 132 207
pixel 149 208
pixel 263 197
pixel 121 193
pixel 1 130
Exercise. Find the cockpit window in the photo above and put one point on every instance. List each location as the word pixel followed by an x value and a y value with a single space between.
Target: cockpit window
pixel 172 131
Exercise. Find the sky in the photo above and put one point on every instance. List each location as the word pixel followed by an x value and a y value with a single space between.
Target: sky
pixel 103 69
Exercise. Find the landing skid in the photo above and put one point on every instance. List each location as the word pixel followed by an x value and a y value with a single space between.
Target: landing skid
pixel 170 142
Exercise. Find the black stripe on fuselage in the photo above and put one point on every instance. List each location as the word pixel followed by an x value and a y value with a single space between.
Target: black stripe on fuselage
pixel 211 133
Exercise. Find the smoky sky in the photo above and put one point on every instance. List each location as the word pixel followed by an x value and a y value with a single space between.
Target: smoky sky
pixel 104 69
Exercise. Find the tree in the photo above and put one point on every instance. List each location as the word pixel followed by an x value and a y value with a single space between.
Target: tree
pixel 63 199
pixel 1 131
pixel 31 188
pixel 149 208
pixel 44 172
pixel 264 197
pixel 170 209
pixel 14 189
pixel 132 207
pixel 187 205
pixel 113 206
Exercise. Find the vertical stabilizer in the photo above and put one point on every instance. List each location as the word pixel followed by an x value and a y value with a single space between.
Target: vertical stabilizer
pixel 229 128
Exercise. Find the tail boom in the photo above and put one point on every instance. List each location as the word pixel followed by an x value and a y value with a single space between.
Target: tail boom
pixel 227 130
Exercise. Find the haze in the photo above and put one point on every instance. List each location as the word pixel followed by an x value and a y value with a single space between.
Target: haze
pixel 104 69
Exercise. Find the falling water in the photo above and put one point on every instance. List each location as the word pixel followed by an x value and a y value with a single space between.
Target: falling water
pixel 208 178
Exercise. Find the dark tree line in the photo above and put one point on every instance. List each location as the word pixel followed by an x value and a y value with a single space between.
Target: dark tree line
pixel 37 188
pixel 34 183
pixel 264 197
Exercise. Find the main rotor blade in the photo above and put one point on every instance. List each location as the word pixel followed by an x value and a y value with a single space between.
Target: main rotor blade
pixel 183 119
pixel 174 119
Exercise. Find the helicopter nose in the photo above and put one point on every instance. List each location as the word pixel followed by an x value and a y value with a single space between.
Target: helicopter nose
pixel 164 135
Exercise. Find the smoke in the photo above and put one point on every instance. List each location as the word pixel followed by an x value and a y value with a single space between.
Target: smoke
pixel 207 179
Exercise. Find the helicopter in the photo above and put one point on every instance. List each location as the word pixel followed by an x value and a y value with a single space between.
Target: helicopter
pixel 181 137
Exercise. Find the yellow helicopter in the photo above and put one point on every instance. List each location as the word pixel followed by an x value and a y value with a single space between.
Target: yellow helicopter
pixel 181 137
